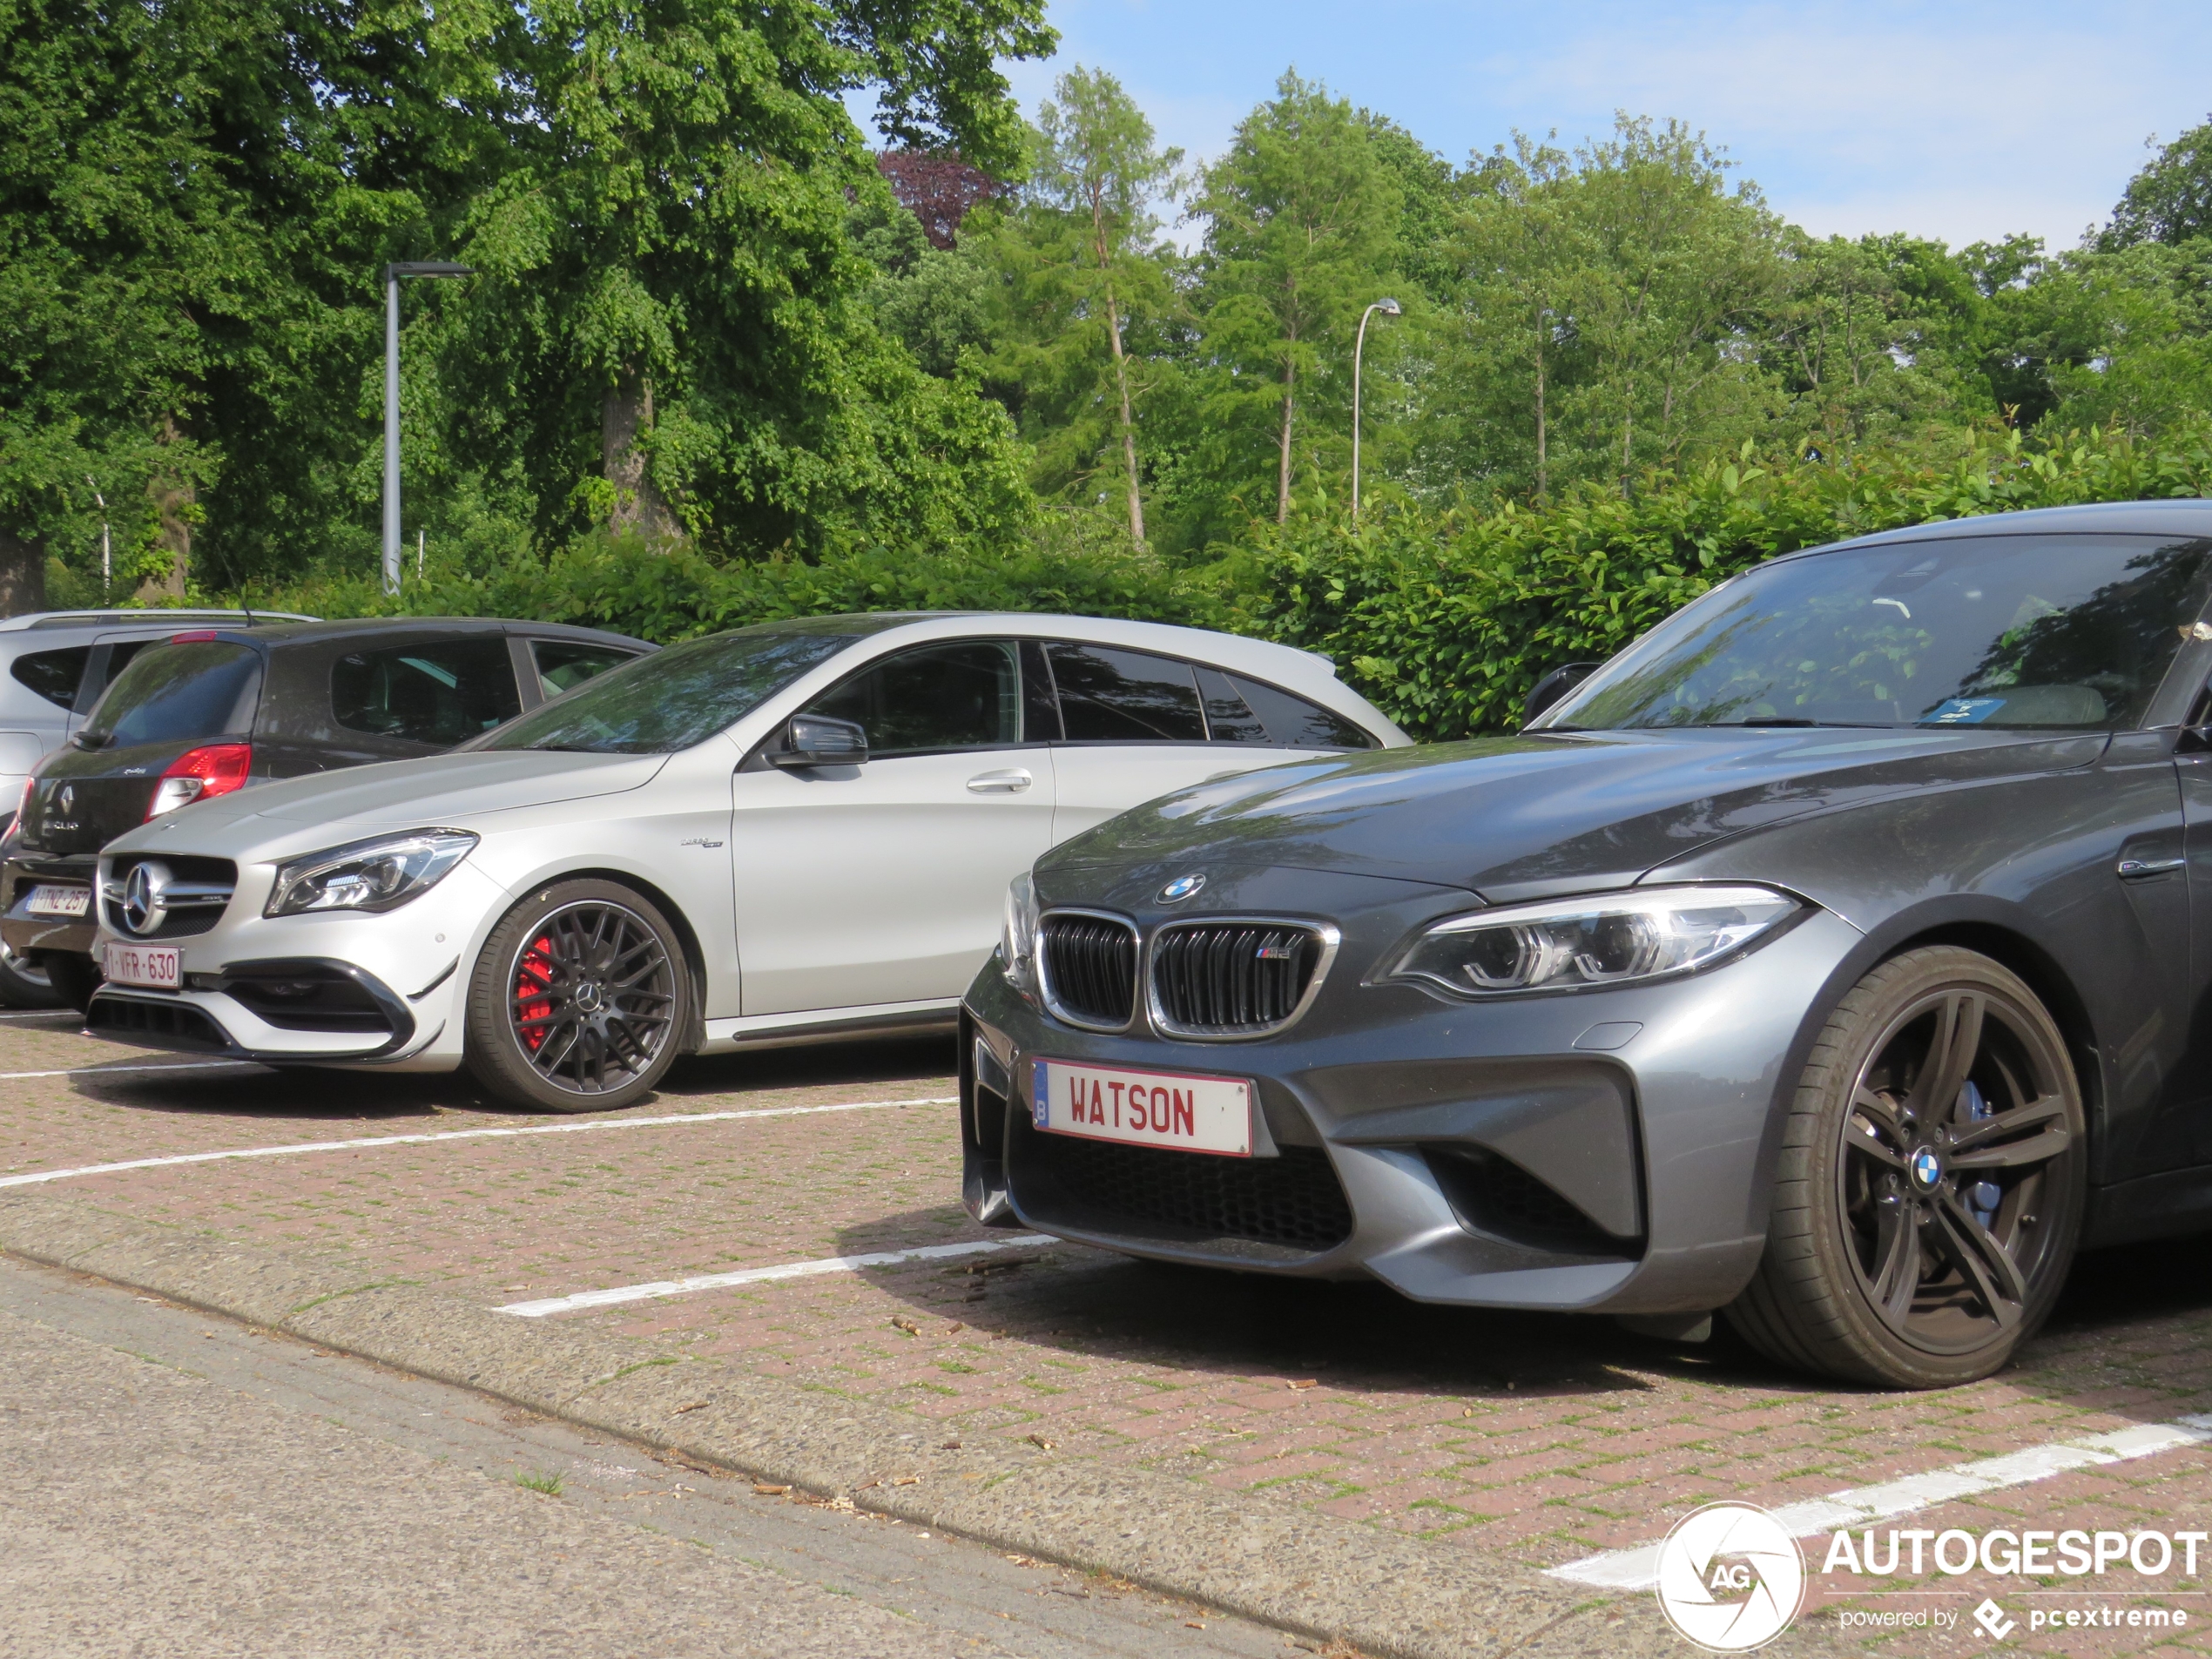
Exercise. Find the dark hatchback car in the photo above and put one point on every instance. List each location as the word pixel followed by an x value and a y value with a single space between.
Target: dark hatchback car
pixel 1832 956
pixel 217 709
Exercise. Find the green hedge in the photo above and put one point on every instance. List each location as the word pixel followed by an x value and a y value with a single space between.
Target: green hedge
pixel 1447 621
pixel 1444 619
pixel 634 589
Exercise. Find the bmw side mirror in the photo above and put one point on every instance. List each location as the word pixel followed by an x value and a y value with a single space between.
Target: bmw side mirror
pixel 821 740
pixel 1554 686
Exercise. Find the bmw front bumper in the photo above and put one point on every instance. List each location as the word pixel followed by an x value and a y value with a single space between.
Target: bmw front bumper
pixel 1603 1150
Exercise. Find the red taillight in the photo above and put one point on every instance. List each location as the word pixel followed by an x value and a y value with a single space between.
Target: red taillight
pixel 211 769
pixel 197 637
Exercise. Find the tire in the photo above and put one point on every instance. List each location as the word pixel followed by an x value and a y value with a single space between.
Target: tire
pixel 72 977
pixel 547 1029
pixel 1911 1244
pixel 24 983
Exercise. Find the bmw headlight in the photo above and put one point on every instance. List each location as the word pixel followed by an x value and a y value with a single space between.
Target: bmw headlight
pixel 380 874
pixel 1593 939
pixel 1018 934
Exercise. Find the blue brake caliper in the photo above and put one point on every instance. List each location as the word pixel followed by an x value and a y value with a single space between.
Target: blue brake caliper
pixel 1982 1198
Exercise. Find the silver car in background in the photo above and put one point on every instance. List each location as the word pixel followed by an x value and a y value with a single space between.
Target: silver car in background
pixel 797 831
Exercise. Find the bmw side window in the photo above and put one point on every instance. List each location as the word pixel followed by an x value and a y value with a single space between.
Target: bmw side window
pixel 562 666
pixel 434 693
pixel 966 695
pixel 55 674
pixel 1111 695
pixel 1293 722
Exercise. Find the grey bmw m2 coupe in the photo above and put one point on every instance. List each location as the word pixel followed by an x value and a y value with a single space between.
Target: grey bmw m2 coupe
pixel 1826 960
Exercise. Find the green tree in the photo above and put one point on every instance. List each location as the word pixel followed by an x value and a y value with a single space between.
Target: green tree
pixel 2170 200
pixel 1302 217
pixel 1098 165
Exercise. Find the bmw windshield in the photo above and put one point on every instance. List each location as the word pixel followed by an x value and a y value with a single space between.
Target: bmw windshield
pixel 1996 631
pixel 673 698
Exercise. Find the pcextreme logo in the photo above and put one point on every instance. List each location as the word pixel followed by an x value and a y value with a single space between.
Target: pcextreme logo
pixel 1732 1578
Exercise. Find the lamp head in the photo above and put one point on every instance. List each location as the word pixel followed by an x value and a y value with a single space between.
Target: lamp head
pixel 1388 308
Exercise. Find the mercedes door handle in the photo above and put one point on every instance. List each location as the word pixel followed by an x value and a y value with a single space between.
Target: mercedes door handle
pixel 1010 782
pixel 2144 869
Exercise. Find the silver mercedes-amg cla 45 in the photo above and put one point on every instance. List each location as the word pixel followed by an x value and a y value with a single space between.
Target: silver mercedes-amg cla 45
pixel 795 832
pixel 1827 957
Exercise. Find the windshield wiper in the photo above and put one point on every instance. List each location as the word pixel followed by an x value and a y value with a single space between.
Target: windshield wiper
pixel 1784 719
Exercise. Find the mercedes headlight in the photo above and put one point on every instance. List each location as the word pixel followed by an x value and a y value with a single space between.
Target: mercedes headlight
pixel 1018 936
pixel 380 874
pixel 1593 939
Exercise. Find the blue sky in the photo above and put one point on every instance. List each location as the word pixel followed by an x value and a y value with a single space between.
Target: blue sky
pixel 1961 121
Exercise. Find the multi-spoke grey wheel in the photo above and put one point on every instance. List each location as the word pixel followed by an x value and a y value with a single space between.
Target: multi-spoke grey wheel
pixel 578 1000
pixel 1929 1187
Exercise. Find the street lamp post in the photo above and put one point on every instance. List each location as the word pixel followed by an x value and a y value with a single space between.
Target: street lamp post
pixel 392 274
pixel 1389 309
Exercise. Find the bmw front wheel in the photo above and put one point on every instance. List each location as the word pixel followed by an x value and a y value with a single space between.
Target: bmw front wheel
pixel 1930 1189
pixel 578 1000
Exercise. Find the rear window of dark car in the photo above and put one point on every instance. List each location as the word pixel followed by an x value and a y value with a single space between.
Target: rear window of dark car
pixel 430 691
pixel 180 694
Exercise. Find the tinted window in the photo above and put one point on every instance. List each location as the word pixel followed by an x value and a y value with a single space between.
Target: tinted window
pixel 966 696
pixel 562 666
pixel 436 692
pixel 2001 630
pixel 1228 717
pixel 673 698
pixel 1109 696
pixel 180 694
pixel 55 674
pixel 1296 723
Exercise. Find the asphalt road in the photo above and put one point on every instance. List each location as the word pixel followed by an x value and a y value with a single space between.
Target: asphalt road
pixel 173 1483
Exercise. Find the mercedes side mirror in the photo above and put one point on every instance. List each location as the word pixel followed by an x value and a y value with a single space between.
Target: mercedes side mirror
pixel 1554 686
pixel 821 740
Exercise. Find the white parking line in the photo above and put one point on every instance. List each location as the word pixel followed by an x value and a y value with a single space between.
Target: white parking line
pixel 38 1176
pixel 108 1071
pixel 762 1275
pixel 1638 1569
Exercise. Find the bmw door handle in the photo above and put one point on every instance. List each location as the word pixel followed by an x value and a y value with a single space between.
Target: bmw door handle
pixel 1012 781
pixel 2144 869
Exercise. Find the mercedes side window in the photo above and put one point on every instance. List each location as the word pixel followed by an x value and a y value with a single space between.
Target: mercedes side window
pixel 964 695
pixel 1229 717
pixel 1112 696
pixel 436 692
pixel 55 674
pixel 565 664
pixel 1293 722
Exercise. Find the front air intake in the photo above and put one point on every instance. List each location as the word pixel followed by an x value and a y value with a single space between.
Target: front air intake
pixel 1234 978
pixel 1089 969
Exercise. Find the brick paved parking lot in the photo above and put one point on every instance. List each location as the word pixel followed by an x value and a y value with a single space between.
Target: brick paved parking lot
pixel 1544 1439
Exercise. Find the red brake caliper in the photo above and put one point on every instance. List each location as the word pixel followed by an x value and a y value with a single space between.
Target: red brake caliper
pixel 533 981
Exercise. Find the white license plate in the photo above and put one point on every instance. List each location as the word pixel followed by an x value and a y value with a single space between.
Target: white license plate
pixel 149 965
pixel 49 900
pixel 1143 1108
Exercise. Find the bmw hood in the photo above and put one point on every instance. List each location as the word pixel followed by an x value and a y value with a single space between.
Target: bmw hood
pixel 1527 816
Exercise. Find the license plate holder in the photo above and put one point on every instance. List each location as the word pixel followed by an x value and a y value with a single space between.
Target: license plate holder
pixel 152 966
pixel 1132 1106
pixel 61 901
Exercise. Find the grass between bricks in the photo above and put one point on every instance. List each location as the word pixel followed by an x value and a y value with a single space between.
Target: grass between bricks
pixel 1255 1556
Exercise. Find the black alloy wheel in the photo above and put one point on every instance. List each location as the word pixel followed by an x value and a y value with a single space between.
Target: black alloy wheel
pixel 579 1000
pixel 1929 1191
